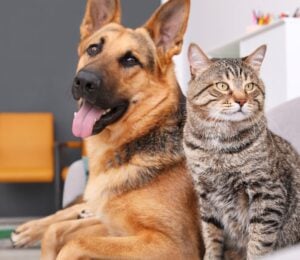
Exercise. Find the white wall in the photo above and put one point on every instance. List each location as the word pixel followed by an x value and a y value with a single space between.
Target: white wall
pixel 216 22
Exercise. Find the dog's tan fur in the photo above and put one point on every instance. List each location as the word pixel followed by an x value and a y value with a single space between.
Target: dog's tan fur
pixel 134 217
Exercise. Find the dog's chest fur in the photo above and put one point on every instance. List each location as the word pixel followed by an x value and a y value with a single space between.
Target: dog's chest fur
pixel 97 191
pixel 105 184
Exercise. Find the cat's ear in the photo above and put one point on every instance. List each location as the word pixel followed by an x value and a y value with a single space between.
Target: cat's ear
pixel 167 27
pixel 197 59
pixel 256 58
pixel 97 14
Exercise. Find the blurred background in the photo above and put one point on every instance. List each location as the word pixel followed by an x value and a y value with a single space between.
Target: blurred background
pixel 219 22
pixel 236 28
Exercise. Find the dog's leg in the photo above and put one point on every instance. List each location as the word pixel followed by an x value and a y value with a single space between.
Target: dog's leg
pixel 60 233
pixel 29 233
pixel 147 245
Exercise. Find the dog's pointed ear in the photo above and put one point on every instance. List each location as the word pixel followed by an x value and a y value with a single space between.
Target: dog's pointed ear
pixel 168 25
pixel 97 14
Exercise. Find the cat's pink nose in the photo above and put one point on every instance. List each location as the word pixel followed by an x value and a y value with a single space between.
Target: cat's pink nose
pixel 241 102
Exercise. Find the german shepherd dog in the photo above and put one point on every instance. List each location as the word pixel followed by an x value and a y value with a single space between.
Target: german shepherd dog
pixel 131 113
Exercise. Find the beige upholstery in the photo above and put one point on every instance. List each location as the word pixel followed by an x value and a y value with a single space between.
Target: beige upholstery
pixel 284 120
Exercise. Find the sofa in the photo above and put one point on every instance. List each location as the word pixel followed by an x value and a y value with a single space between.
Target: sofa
pixel 284 120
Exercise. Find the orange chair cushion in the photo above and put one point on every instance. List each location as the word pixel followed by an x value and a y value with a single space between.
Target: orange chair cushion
pixel 26 175
pixel 26 147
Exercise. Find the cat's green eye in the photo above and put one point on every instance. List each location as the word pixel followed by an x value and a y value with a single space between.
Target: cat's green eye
pixel 222 86
pixel 249 87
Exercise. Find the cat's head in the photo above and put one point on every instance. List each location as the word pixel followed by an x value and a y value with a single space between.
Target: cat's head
pixel 226 89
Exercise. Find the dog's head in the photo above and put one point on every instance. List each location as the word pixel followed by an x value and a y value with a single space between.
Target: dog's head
pixel 121 68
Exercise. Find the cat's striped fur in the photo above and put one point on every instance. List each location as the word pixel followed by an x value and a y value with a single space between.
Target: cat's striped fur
pixel 246 177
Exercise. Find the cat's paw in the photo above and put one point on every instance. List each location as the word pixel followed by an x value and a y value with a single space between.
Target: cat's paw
pixel 234 255
pixel 209 256
pixel 250 257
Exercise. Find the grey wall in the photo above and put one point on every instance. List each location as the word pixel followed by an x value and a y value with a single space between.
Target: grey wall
pixel 38 42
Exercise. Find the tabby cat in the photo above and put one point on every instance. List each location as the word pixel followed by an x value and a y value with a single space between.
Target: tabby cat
pixel 247 178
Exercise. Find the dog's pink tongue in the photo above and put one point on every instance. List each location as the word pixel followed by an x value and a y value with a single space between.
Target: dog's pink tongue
pixel 85 119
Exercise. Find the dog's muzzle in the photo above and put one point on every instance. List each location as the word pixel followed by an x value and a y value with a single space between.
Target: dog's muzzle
pixel 100 104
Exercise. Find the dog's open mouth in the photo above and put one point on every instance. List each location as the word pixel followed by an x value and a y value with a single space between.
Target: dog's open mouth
pixel 91 119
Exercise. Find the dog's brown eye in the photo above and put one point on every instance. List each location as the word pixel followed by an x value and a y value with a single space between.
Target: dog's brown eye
pixel 129 60
pixel 93 50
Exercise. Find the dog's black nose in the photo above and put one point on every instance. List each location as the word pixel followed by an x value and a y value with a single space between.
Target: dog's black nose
pixel 85 83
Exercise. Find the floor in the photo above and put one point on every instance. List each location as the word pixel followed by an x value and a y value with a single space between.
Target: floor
pixel 7 252
pixel 20 254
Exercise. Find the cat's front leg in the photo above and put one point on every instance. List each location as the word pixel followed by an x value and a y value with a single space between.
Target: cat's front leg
pixel 213 238
pixel 261 241
pixel 212 230
pixel 267 208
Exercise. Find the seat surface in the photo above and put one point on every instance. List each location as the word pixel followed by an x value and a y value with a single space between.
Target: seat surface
pixel 284 121
pixel 26 147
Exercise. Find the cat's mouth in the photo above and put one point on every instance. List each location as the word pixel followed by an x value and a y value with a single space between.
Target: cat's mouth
pixel 233 112
pixel 236 115
pixel 240 111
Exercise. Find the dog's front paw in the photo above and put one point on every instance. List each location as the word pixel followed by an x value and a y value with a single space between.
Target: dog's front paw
pixel 85 214
pixel 28 234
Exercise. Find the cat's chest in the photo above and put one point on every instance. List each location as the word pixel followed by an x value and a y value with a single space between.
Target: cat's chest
pixel 227 187
pixel 226 193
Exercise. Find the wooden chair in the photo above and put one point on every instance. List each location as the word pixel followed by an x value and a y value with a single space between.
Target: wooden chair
pixel 70 145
